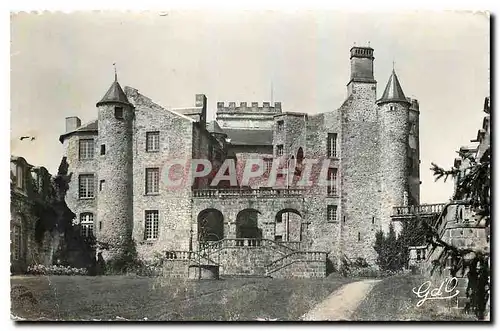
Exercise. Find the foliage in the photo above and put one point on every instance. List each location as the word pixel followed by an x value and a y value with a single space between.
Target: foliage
pixel 40 269
pixel 473 184
pixel 393 250
pixel 388 250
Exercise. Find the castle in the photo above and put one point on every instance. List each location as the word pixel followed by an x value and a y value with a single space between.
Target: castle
pixel 118 189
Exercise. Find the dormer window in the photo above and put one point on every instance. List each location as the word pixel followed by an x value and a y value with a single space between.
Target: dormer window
pixel 119 113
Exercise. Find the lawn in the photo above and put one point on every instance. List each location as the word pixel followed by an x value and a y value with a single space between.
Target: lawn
pixel 153 299
pixel 392 299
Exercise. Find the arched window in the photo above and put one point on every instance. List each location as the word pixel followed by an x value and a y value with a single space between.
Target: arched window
pixel 87 224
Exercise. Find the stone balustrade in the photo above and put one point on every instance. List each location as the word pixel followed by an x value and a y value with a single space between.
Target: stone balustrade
pixel 247 193
pixel 425 209
pixel 283 247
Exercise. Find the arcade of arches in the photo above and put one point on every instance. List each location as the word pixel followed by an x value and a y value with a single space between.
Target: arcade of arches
pixel 249 224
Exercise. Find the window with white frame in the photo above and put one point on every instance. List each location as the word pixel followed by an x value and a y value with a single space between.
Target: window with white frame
pixel 281 125
pixel 268 165
pixel 153 141
pixel 332 182
pixel 16 242
pixel 86 186
pixel 87 224
pixel 152 180
pixel 332 213
pixel 332 145
pixel 86 149
pixel 279 150
pixel 20 179
pixel 151 225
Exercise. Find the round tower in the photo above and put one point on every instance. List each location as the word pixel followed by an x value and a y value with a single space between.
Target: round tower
pixel 393 133
pixel 114 204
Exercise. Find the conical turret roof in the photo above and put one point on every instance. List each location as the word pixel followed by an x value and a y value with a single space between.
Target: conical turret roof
pixel 393 91
pixel 115 94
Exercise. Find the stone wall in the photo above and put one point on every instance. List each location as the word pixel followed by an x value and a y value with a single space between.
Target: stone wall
pixel 33 213
pixel 360 177
pixel 394 174
pixel 114 206
pixel 77 167
pixel 176 269
pixel 302 269
pixel 172 202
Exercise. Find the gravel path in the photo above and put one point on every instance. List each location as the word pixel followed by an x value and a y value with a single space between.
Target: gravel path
pixel 342 303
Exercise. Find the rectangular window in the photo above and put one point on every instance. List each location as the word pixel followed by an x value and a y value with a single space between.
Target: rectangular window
pixel 101 184
pixel 86 149
pixel 332 213
pixel 103 149
pixel 278 238
pixel 152 180
pixel 281 125
pixel 16 242
pixel 279 150
pixel 20 177
pixel 268 163
pixel 87 224
pixel 86 186
pixel 332 182
pixel 152 141
pixel 332 145
pixel 151 225
pixel 119 113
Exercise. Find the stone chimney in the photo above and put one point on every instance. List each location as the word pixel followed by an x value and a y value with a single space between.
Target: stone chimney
pixel 72 123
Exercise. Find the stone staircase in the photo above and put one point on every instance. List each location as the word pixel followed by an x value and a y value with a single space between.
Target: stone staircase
pixel 247 257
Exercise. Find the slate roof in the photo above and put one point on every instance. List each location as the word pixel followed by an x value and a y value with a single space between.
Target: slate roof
pixel 115 94
pixel 89 127
pixel 393 91
pixel 250 137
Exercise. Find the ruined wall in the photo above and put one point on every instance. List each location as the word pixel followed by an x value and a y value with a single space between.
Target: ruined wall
pixel 173 203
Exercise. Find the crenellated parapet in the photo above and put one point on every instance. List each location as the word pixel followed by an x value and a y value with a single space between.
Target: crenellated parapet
pixel 253 107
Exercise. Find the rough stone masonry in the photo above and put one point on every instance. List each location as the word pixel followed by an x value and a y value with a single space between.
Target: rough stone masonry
pixel 372 143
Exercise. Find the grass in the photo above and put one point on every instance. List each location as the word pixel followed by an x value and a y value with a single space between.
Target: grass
pixel 392 299
pixel 161 299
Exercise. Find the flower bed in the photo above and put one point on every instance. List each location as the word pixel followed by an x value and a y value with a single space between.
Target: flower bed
pixel 40 269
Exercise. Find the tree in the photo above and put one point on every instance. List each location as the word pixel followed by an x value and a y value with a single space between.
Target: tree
pixel 473 185
pixel 388 250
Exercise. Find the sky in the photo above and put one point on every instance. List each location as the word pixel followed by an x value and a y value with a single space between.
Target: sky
pixel 61 65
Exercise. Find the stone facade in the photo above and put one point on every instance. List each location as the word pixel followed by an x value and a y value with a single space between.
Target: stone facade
pixel 368 143
pixel 40 225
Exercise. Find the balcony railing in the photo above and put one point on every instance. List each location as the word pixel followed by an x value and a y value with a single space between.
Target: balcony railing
pixel 247 193
pixel 426 209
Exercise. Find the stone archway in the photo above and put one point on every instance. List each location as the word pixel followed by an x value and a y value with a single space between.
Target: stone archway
pixel 210 225
pixel 288 225
pixel 247 224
